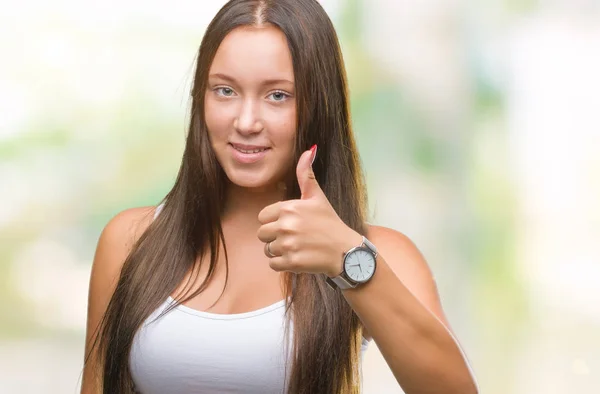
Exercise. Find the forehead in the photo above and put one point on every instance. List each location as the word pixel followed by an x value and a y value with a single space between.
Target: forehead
pixel 250 53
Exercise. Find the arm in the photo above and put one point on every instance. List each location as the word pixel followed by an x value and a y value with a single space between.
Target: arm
pixel 400 308
pixel 114 245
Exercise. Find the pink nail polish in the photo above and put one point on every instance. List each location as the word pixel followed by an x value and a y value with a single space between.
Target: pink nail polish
pixel 313 149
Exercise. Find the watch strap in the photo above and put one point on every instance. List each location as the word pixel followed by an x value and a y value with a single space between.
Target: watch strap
pixel 341 282
pixel 369 245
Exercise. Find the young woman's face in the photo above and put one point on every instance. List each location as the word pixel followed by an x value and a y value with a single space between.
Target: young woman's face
pixel 250 106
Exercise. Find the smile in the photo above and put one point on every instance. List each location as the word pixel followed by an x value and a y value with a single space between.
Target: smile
pixel 247 154
pixel 250 151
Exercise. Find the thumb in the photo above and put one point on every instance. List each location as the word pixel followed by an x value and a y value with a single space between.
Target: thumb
pixel 309 187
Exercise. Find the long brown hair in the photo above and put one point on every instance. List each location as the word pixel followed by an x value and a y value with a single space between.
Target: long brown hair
pixel 327 332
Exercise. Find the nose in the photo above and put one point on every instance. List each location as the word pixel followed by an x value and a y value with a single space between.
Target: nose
pixel 248 120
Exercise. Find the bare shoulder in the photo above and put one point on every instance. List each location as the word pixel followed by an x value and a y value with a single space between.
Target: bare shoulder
pixel 400 251
pixel 392 239
pixel 409 264
pixel 125 228
pixel 116 240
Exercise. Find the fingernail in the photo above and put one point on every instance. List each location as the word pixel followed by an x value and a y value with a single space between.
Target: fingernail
pixel 313 149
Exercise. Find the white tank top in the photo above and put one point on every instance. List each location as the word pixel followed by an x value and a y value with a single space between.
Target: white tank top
pixel 190 351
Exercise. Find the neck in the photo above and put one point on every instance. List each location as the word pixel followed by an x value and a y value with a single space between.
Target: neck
pixel 242 205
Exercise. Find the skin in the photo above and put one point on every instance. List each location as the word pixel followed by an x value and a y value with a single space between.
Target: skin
pixel 250 99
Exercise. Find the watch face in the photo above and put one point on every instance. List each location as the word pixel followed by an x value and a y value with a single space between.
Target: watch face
pixel 359 265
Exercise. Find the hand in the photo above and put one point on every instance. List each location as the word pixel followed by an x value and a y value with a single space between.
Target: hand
pixel 306 235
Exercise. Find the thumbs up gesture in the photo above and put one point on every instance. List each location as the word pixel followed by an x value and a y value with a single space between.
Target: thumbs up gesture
pixel 306 235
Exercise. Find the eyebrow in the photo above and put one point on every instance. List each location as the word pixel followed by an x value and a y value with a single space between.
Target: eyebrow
pixel 266 82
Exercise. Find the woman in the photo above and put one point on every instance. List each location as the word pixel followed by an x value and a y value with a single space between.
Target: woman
pixel 253 275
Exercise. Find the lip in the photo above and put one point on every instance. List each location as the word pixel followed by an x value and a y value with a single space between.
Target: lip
pixel 248 147
pixel 247 158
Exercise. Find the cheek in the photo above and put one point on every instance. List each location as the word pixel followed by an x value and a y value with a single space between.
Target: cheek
pixel 283 127
pixel 216 119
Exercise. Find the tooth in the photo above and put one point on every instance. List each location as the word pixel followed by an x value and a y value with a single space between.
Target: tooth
pixel 251 151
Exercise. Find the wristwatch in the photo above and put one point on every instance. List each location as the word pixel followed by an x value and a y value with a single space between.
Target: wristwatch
pixel 359 265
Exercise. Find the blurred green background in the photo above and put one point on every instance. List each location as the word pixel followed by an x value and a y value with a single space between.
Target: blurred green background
pixel 478 127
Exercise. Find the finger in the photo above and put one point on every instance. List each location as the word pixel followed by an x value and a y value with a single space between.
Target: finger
pixel 309 187
pixel 268 232
pixel 270 213
pixel 278 263
pixel 273 248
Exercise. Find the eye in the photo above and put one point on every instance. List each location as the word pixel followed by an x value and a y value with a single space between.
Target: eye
pixel 224 91
pixel 279 95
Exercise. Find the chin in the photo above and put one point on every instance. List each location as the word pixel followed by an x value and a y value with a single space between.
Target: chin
pixel 254 181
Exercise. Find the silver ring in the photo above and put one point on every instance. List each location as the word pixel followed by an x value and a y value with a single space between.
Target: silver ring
pixel 268 250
